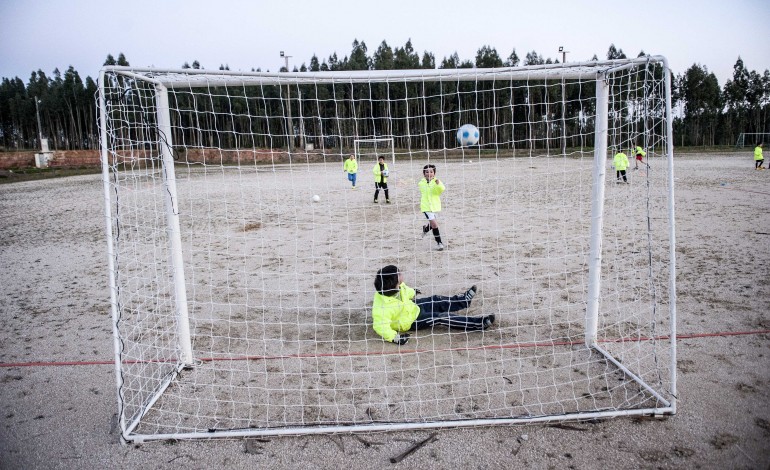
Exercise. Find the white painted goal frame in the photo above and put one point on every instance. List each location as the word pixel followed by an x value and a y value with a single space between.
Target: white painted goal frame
pixel 218 334
pixel 358 148
pixel 751 138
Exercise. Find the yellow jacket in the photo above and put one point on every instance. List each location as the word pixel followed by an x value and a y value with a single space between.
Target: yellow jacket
pixel 351 166
pixel 621 161
pixel 393 315
pixel 758 153
pixel 431 192
pixel 376 171
pixel 639 151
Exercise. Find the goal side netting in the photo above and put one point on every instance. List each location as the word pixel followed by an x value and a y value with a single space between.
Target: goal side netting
pixel 242 303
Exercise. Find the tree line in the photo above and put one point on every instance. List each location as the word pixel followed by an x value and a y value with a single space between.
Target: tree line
pixel 705 113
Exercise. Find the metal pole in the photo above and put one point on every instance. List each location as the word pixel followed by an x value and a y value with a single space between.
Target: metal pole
pixel 107 187
pixel 597 210
pixel 39 127
pixel 672 231
pixel 563 118
pixel 174 232
pixel 288 106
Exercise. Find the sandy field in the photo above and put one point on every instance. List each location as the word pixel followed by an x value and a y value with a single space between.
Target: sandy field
pixel 58 405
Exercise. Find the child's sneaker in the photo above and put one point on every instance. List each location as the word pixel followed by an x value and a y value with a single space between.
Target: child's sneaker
pixel 440 247
pixel 387 201
pixel 487 321
pixel 470 293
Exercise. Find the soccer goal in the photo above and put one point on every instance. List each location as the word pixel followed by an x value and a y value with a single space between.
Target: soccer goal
pixel 241 303
pixel 751 139
pixel 370 150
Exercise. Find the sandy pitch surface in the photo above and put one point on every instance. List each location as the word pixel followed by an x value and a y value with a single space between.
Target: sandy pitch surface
pixel 54 307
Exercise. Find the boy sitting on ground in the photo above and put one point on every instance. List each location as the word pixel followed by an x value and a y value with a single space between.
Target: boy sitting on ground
pixel 394 311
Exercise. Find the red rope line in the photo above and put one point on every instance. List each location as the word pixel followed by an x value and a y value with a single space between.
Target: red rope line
pixel 387 353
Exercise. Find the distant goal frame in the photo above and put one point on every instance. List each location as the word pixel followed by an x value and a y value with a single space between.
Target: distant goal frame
pixel 357 146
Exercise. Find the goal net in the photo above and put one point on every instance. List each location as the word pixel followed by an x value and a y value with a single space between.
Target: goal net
pixel 242 305
pixel 370 150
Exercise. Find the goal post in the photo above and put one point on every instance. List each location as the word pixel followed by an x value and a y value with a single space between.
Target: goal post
pixel 372 149
pixel 241 267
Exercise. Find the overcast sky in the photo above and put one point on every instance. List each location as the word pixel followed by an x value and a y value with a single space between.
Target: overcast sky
pixel 48 34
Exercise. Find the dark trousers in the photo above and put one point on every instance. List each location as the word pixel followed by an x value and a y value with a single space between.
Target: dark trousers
pixel 384 187
pixel 621 173
pixel 436 311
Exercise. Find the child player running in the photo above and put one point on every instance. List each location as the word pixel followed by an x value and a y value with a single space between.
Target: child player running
pixel 430 202
pixel 640 154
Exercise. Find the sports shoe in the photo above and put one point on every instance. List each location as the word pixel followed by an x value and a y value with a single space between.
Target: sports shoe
pixel 487 321
pixel 440 247
pixel 425 230
pixel 387 201
pixel 375 201
pixel 470 293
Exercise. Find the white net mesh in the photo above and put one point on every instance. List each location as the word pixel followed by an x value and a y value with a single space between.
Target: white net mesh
pixel 279 287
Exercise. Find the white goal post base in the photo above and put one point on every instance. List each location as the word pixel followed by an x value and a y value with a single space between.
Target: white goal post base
pixel 241 303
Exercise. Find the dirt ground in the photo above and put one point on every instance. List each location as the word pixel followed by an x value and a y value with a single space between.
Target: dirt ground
pixel 58 400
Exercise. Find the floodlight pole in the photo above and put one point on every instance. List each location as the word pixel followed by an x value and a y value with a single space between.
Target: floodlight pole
pixel 288 106
pixel 563 105
pixel 563 54
pixel 39 127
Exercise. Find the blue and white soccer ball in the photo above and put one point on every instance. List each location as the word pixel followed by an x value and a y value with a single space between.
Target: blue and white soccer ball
pixel 467 135
pixel 385 173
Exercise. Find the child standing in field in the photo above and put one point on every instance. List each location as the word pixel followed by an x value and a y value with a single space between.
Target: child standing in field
pixel 381 173
pixel 430 202
pixel 640 154
pixel 758 158
pixel 621 164
pixel 394 310
pixel 351 168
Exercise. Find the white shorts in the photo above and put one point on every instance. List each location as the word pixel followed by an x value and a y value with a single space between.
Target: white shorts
pixel 430 215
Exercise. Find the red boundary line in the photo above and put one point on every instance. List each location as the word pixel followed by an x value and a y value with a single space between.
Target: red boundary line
pixel 383 353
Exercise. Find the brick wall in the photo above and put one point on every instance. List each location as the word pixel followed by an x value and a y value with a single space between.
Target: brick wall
pixel 61 159
pixel 92 158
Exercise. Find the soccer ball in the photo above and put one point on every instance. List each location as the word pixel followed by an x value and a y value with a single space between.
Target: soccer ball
pixel 385 173
pixel 467 135
pixel 316 198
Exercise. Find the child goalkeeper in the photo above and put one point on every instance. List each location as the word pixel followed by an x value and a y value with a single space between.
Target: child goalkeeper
pixel 394 310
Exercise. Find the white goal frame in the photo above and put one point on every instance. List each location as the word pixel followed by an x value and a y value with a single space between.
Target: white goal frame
pixel 155 326
pixel 357 146
pixel 752 137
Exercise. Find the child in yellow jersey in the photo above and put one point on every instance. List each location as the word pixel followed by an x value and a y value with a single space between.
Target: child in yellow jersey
pixel 430 202
pixel 395 310
pixel 351 168
pixel 381 172
pixel 621 163
pixel 759 159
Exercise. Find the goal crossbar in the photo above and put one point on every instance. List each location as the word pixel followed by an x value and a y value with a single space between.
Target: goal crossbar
pixel 193 78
